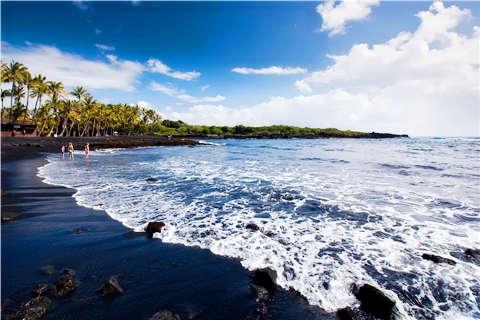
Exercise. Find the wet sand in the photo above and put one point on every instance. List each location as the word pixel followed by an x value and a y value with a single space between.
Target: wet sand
pixel 51 229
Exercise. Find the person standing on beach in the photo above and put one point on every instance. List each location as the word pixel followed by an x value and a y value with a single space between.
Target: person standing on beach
pixel 87 150
pixel 63 151
pixel 70 150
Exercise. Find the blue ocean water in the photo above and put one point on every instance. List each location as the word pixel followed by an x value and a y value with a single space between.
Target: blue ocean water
pixel 331 212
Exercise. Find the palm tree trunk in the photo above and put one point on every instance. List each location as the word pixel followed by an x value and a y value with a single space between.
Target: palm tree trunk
pixel 11 101
pixel 26 107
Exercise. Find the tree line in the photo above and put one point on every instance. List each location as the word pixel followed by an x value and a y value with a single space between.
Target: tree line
pixel 46 105
pixel 54 111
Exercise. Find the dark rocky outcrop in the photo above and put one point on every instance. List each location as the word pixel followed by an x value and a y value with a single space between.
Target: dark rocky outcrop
pixel 40 289
pixel 33 309
pixel 252 226
pixel 151 180
pixel 374 301
pixel 165 315
pixel 111 288
pixel 8 218
pixel 265 278
pixel 48 270
pixel 68 271
pixel 474 253
pixel 261 294
pixel 154 226
pixel 345 314
pixel 65 284
pixel 438 259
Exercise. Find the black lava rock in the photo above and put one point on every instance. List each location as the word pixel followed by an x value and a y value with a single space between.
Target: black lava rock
pixel 151 180
pixel 266 278
pixel 438 259
pixel 154 226
pixel 111 288
pixel 65 284
pixel 474 253
pixel 165 315
pixel 33 309
pixel 345 314
pixel 68 271
pixel 40 289
pixel 48 270
pixel 252 226
pixel 375 302
pixel 261 294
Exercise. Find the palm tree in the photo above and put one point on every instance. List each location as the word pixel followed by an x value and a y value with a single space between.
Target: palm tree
pixel 79 92
pixel 14 73
pixel 27 81
pixel 39 89
pixel 55 89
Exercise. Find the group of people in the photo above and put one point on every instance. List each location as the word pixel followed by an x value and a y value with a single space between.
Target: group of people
pixel 71 150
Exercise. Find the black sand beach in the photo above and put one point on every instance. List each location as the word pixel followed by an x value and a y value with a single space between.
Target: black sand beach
pixel 51 229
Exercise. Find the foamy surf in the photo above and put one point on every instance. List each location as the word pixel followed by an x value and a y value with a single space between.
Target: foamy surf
pixel 330 212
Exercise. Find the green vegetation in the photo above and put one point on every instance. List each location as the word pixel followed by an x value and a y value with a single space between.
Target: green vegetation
pixel 62 113
pixel 77 113
pixel 181 128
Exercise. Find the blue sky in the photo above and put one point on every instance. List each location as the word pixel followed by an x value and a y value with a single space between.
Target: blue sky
pixel 198 44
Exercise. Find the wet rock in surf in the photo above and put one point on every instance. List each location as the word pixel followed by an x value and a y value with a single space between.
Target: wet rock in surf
pixel 48 270
pixel 265 278
pixel 345 314
pixel 65 284
pixel 438 259
pixel 9 218
pixel 151 180
pixel 40 289
pixel 111 288
pixel 473 253
pixel 165 315
pixel 260 293
pixel 68 271
pixel 252 226
pixel 154 226
pixel 33 309
pixel 374 301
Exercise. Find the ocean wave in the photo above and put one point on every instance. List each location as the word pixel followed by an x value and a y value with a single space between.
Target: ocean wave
pixel 323 225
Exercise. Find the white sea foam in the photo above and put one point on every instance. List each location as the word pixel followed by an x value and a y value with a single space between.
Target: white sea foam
pixel 331 212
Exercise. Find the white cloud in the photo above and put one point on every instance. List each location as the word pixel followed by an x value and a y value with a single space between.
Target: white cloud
pixel 422 83
pixel 73 70
pixel 273 70
pixel 426 80
pixel 158 66
pixel 183 95
pixel 323 110
pixel 145 104
pixel 336 16
pixel 104 47
pixel 205 87
pixel 98 31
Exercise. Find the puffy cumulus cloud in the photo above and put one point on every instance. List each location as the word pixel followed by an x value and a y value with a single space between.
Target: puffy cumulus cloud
pixel 273 70
pixel 426 80
pixel 332 109
pixel 182 95
pixel 157 66
pixel 73 70
pixel 336 16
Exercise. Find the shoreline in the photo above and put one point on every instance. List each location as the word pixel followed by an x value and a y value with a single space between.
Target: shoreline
pixel 15 148
pixel 53 229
